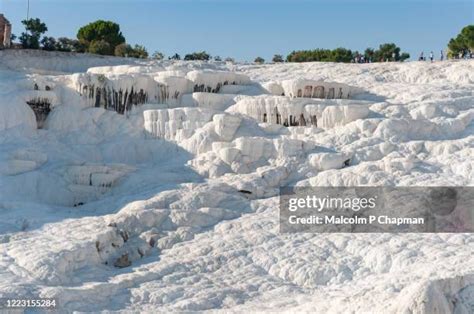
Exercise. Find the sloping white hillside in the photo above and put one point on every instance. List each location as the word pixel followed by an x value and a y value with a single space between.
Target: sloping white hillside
pixel 129 185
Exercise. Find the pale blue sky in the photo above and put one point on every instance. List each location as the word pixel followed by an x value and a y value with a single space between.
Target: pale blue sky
pixel 245 29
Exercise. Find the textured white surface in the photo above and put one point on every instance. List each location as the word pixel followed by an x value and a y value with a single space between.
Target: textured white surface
pixel 182 195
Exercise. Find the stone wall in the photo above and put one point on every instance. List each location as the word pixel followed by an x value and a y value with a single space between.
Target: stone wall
pixel 5 32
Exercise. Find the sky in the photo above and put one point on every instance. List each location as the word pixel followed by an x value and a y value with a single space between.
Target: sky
pixel 245 29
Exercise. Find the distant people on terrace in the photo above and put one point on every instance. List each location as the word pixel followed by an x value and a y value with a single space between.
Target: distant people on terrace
pixel 461 55
pixel 359 58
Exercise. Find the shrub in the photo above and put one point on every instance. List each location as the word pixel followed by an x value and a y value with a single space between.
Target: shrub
pixel 139 51
pixel 48 43
pixel 203 56
pixel 125 50
pixel 277 58
pixel 259 60
pixel 100 47
pixel 158 55
pixel 67 44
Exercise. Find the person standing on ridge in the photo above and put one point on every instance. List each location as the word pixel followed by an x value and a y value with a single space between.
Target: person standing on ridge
pixel 431 56
pixel 442 56
pixel 422 58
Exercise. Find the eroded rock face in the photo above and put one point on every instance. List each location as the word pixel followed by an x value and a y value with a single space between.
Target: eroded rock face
pixel 212 81
pixel 118 93
pixel 303 88
pixel 41 107
pixel 176 124
pixel 295 112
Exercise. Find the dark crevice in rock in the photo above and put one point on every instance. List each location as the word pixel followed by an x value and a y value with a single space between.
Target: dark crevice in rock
pixel 41 107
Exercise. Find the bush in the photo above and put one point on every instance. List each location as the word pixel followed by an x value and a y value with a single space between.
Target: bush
pixel 100 47
pixel 158 55
pixel 259 60
pixel 203 56
pixel 122 50
pixel 67 44
pixel 34 29
pixel 139 52
pixel 48 43
pixel 341 55
pixel 101 36
pixel 125 50
pixel 277 58
pixel 175 57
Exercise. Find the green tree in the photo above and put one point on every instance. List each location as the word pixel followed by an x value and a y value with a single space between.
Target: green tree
pixel 467 34
pixel 125 50
pixel 48 43
pixel 34 29
pixel 217 58
pixel 68 44
pixel 101 37
pixel 463 43
pixel 346 55
pixel 369 54
pixel 341 55
pixel 389 52
pixel 259 60
pixel 100 47
pixel 277 58
pixel 404 56
pixel 139 51
pixel 158 55
pixel 122 50
pixel 203 56
pixel 386 51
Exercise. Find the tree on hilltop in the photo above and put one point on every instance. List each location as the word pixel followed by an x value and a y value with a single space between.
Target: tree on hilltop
pixel 463 43
pixel 101 37
pixel 158 55
pixel 388 52
pixel 202 56
pixel 34 29
pixel 48 43
pixel 125 50
pixel 277 58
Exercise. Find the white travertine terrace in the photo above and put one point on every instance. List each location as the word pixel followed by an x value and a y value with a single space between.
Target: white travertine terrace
pixel 168 198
